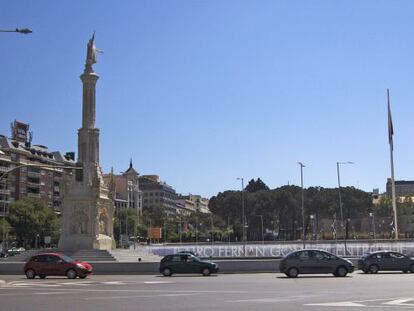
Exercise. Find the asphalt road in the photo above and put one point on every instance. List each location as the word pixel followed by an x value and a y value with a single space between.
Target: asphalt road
pixel 384 291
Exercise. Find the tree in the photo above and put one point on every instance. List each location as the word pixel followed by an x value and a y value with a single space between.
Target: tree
pixel 281 210
pixel 256 185
pixel 125 219
pixel 31 218
pixel 4 228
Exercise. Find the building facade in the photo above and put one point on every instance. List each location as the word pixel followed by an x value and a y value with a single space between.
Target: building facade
pixel 402 188
pixel 158 193
pixel 43 183
pixel 125 190
pixel 196 202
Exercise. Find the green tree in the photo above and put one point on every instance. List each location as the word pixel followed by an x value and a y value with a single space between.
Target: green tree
pixel 256 185
pixel 126 220
pixel 30 218
pixel 5 228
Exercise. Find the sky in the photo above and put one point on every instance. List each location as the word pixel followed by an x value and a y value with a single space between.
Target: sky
pixel 203 92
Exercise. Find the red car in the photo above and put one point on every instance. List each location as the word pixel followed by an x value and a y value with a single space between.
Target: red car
pixel 56 264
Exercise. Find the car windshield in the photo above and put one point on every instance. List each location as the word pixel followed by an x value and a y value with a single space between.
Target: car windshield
pixel 67 258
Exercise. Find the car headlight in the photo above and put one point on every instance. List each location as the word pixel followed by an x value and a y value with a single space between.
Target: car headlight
pixel 80 266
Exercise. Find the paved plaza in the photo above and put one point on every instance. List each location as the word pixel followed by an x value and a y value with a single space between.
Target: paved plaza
pixel 385 291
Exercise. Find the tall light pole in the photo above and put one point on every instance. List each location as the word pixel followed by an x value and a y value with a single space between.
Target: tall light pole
pixel 261 221
pixel 340 200
pixel 24 31
pixel 303 204
pixel 372 216
pixel 243 218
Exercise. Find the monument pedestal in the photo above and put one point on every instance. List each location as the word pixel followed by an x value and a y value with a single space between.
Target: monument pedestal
pixel 87 212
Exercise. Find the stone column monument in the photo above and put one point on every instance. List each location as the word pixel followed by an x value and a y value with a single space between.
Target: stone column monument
pixel 87 210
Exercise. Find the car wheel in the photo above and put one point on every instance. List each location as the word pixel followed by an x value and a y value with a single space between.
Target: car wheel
pixel 341 271
pixel 166 272
pixel 82 276
pixel 206 272
pixel 404 271
pixel 365 270
pixel 30 274
pixel 42 276
pixel 373 269
pixel 412 268
pixel 293 272
pixel 71 274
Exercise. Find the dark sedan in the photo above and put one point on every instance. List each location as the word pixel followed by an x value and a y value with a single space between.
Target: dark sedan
pixel 312 261
pixel 386 261
pixel 186 263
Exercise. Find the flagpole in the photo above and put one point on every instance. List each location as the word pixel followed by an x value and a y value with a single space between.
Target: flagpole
pixel 390 134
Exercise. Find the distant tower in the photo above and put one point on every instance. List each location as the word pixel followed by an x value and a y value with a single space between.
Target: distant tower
pixel 87 209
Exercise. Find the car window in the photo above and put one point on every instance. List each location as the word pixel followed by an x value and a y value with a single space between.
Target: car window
pixel 304 255
pixel 40 258
pixel 376 256
pixel 321 255
pixel 176 258
pixel 397 255
pixel 52 259
pixel 67 258
pixel 293 255
pixel 318 255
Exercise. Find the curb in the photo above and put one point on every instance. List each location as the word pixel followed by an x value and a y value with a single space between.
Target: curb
pixel 2 283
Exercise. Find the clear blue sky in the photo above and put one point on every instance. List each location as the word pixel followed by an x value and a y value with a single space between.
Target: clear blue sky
pixel 202 92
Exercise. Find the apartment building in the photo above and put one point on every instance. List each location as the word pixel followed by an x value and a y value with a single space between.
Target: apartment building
pixel 30 181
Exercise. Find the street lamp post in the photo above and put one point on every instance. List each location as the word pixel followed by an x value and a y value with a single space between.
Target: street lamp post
pixel 303 204
pixel 196 230
pixel 372 216
pixel 261 221
pixel 312 218
pixel 24 31
pixel 243 218
pixel 340 201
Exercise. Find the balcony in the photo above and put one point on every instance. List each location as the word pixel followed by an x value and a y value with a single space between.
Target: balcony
pixel 4 169
pixel 33 174
pixel 5 191
pixel 4 201
pixel 33 195
pixel 33 185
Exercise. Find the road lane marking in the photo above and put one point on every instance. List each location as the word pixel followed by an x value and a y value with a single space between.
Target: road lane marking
pixel 137 296
pixel 337 304
pixel 273 299
pixel 159 282
pixel 379 303
pixel 400 302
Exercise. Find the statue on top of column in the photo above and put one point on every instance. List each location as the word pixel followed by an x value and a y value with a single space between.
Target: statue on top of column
pixel 91 52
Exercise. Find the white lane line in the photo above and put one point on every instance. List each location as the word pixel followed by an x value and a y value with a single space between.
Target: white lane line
pixel 176 295
pixel 50 293
pixel 264 300
pixel 114 283
pixel 274 299
pixel 86 283
pixel 159 282
pixel 400 302
pixel 337 304
pixel 136 296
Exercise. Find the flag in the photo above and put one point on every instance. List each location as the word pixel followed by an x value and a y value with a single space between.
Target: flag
pixel 390 127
